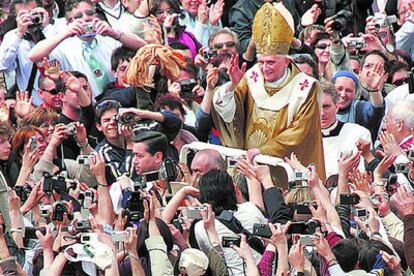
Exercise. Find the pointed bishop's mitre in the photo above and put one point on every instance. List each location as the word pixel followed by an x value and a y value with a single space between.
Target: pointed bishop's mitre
pixel 273 29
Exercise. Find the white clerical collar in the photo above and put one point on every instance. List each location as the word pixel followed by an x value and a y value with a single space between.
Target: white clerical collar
pixel 327 130
pixel 279 82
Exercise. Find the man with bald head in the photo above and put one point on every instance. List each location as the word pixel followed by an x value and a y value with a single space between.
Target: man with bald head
pixel 206 160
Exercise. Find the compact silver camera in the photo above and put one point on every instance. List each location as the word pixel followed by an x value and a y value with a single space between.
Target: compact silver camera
pixel 85 159
pixel 194 212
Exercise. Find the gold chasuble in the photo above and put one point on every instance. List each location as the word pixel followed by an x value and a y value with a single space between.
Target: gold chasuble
pixel 277 120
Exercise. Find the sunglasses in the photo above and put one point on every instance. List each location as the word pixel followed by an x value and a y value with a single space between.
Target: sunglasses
pixel 53 91
pixel 400 82
pixel 229 44
pixel 87 12
pixel 323 46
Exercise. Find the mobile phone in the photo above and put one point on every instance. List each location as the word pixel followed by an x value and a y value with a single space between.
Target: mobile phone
pixel 194 212
pixel 33 143
pixel 349 199
pixel 262 230
pixel 227 241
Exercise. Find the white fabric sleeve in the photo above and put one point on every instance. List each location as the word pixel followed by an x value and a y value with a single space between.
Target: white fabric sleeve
pixel 224 103
pixel 336 270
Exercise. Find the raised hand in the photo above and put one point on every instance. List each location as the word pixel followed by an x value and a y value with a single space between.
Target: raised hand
pixel 310 16
pixel 24 20
pixel 212 77
pixel 360 180
pixel 51 68
pixel 23 104
pixel 71 82
pixel 389 144
pixel 236 73
pixel 375 77
pixel 203 12
pixel 404 201
pixel 216 12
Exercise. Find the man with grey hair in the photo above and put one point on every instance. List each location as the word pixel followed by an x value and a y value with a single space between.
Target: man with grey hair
pixel 206 160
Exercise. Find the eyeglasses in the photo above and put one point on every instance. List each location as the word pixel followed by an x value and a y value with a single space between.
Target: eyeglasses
pixel 323 46
pixel 80 14
pixel 400 82
pixel 168 11
pixel 229 44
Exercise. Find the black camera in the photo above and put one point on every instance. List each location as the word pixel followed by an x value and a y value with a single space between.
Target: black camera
pixel 262 230
pixel 228 241
pixel 179 17
pixel 37 19
pixel 402 168
pixel 134 208
pixel 70 129
pixel 342 20
pixel 30 232
pixel 392 183
pixel 306 228
pixel 187 87
pixel 59 209
pixel 54 183
pixel 208 54
pixel 303 208
pixel 23 192
pixel 168 170
pixel 349 199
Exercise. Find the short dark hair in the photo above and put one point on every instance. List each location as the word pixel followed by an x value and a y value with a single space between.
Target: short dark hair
pixel 319 36
pixel 346 253
pixel 176 45
pixel 103 106
pixel 119 55
pixel 308 59
pixel 377 53
pixel 72 4
pixel 329 88
pixel 216 188
pixel 395 66
pixel 79 75
pixel 368 252
pixel 173 5
pixel 170 101
pixel 154 140
pixel 23 2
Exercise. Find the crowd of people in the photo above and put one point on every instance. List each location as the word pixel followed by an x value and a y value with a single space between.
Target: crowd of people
pixel 98 99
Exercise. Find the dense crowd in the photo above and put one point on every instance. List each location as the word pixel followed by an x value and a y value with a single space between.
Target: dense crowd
pixel 102 102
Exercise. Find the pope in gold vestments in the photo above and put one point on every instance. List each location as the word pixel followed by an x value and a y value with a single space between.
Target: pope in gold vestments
pixel 278 119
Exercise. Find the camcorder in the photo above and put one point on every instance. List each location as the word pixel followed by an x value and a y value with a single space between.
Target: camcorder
pixel 54 183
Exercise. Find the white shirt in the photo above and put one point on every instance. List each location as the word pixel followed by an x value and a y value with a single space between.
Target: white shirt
pixel 13 57
pixel 70 54
pixel 113 14
pixel 344 141
pixel 248 214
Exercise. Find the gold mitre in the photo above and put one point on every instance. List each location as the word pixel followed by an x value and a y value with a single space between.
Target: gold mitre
pixel 273 29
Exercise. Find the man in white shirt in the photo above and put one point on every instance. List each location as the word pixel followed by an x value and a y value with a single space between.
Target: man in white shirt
pixel 86 44
pixel 338 137
pixel 18 42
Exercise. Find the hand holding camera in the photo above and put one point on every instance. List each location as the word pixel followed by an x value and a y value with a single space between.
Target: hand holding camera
pixel 24 20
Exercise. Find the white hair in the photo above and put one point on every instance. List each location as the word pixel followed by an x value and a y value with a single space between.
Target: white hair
pixel 404 111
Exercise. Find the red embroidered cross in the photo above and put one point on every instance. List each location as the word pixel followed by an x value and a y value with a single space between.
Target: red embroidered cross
pixel 304 84
pixel 254 76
